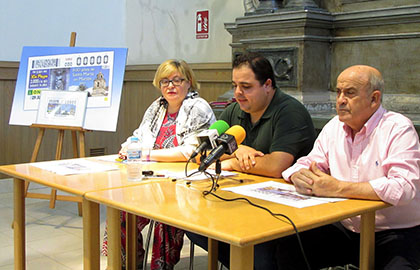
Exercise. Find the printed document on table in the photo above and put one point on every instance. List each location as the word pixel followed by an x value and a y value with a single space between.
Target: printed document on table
pixel 74 166
pixel 116 159
pixel 196 175
pixel 280 193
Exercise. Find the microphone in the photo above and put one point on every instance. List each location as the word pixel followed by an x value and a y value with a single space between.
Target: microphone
pixel 207 138
pixel 228 143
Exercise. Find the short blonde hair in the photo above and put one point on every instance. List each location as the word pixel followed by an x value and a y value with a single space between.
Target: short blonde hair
pixel 170 66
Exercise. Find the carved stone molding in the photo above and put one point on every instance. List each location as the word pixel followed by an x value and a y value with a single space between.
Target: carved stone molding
pixel 284 63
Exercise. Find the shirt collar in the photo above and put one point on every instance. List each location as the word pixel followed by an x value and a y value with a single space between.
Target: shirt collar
pixel 270 109
pixel 370 125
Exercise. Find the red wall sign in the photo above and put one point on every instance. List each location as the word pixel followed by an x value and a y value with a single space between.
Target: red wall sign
pixel 202 24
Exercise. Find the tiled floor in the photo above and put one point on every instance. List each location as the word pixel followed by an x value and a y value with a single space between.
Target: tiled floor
pixel 54 236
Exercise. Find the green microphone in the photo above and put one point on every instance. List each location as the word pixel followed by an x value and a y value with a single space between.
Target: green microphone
pixel 207 138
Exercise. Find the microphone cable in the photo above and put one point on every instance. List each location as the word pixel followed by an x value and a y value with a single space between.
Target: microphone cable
pixel 275 215
pixel 186 170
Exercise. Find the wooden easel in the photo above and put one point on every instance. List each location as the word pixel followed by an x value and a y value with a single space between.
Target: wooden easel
pixel 76 153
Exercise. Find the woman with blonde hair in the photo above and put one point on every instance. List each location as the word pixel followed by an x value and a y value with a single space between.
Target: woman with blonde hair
pixel 169 127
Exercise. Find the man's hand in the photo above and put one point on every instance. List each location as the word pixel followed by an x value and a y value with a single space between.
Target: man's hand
pixel 227 165
pixel 271 165
pixel 246 157
pixel 313 181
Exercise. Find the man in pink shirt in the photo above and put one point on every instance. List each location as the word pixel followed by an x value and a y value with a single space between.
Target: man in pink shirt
pixel 364 152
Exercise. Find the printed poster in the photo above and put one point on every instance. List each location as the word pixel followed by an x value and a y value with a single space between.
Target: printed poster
pixel 99 72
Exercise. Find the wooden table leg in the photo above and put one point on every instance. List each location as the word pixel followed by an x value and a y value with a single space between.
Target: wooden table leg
pixel 114 238
pixel 241 258
pixel 131 242
pixel 19 224
pixel 91 235
pixel 367 241
pixel 213 254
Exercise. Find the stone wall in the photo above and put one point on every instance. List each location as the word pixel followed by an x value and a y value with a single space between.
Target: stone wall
pixel 309 42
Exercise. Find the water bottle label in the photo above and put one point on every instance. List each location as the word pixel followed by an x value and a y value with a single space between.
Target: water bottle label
pixel 133 154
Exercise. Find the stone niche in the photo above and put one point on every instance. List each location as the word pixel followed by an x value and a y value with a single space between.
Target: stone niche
pixel 310 42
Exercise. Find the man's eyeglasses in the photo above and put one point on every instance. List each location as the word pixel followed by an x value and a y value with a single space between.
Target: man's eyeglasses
pixel 175 81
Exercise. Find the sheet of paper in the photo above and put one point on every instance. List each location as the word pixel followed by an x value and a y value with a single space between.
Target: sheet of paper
pixel 280 193
pixel 74 166
pixel 111 158
pixel 196 176
pixel 114 158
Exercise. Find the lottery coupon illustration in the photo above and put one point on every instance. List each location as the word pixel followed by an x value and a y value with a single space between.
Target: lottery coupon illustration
pixel 98 73
pixel 91 72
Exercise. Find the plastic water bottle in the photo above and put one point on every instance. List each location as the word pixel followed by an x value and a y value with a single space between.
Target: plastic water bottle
pixel 134 164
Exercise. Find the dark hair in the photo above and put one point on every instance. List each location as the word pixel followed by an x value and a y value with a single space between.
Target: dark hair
pixel 259 64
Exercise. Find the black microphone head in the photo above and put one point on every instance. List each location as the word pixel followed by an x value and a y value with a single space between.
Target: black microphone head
pixel 229 143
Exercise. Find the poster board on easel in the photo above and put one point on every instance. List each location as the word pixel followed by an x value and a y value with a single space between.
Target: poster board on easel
pixel 97 71
pixel 72 79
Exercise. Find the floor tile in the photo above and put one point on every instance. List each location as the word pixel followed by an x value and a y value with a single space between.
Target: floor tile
pixel 7 258
pixel 43 263
pixel 55 245
pixel 6 239
pixel 6 185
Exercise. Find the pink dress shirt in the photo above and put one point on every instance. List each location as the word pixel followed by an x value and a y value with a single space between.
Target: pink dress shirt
pixel 385 153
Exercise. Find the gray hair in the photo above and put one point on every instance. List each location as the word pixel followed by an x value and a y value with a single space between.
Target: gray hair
pixel 376 82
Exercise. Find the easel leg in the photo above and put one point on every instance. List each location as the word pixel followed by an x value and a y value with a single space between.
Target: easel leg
pixel 38 142
pixel 58 152
pixel 76 154
pixel 74 142
pixel 82 144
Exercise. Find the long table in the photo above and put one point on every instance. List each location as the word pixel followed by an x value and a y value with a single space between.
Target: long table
pixel 182 204
pixel 77 185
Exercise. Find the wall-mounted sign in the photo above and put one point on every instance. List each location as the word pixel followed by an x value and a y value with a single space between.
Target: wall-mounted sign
pixel 202 24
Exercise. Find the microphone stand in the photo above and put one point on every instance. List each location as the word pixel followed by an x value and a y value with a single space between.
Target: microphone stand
pixel 218 172
pixel 203 155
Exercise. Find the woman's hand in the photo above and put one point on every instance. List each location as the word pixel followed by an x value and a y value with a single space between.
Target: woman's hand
pixel 123 153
